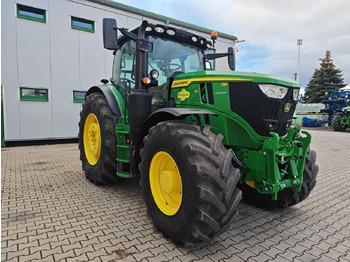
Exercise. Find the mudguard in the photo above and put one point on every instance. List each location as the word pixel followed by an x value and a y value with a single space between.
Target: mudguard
pixel 163 114
pixel 111 100
pixel 169 113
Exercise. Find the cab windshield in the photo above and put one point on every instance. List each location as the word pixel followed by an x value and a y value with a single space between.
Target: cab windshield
pixel 168 57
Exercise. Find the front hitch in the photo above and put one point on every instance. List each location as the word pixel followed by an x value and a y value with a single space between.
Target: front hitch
pixel 279 164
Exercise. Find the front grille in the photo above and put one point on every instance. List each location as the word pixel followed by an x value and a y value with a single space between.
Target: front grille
pixel 264 114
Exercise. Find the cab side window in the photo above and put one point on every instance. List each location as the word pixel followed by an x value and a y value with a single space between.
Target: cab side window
pixel 124 65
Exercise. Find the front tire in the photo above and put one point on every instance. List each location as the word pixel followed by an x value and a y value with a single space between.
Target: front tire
pixel 199 185
pixel 289 196
pixel 336 124
pixel 97 141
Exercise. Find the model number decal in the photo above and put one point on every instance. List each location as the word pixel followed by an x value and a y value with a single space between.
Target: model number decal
pixel 180 83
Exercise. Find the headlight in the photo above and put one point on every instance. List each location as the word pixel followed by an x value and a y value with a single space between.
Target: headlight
pixel 296 94
pixel 170 32
pixel 154 74
pixel 159 29
pixel 274 91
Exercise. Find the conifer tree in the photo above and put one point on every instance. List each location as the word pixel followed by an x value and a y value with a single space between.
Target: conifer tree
pixel 325 80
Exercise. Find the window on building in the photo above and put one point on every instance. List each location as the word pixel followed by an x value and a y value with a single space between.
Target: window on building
pixel 78 96
pixel 34 94
pixel 31 13
pixel 83 24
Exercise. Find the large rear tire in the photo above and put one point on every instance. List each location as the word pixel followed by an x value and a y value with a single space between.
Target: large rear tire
pixel 97 141
pixel 289 196
pixel 189 182
pixel 336 124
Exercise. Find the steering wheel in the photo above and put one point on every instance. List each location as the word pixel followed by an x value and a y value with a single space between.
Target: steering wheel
pixel 125 80
pixel 176 67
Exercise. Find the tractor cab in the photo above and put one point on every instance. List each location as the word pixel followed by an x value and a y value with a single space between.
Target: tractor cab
pixel 163 52
pixel 168 58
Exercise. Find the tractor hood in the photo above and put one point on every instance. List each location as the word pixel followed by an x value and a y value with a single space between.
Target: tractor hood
pixel 242 94
pixel 186 78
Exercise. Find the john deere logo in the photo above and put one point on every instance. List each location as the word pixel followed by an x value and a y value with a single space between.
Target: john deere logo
pixel 287 107
pixel 183 95
pixel 224 84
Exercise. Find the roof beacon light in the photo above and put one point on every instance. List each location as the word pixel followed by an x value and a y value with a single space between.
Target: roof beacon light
pixel 214 36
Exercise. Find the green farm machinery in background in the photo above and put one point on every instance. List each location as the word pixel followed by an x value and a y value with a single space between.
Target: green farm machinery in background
pixel 337 107
pixel 341 119
pixel 197 139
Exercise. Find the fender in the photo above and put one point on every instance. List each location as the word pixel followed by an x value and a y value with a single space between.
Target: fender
pixel 163 114
pixel 178 112
pixel 169 113
pixel 111 100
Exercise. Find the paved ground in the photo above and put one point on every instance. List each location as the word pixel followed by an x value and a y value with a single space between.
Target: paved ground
pixel 50 212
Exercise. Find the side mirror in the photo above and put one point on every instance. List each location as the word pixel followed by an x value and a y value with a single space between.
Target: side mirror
pixel 231 59
pixel 110 34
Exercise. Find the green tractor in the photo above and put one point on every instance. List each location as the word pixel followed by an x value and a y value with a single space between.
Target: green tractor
pixel 341 119
pixel 198 139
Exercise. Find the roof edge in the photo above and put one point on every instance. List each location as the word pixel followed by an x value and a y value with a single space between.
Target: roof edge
pixel 166 19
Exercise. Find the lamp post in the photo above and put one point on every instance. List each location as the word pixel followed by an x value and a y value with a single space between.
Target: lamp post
pixel 299 43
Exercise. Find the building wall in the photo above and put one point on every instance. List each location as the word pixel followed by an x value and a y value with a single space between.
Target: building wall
pixel 56 57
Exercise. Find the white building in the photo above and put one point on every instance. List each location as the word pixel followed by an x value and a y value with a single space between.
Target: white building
pixel 52 52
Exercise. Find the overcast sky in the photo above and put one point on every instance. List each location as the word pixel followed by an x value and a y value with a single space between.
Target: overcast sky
pixel 270 30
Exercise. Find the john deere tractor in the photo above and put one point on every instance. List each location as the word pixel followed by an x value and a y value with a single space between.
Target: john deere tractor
pixel 341 119
pixel 197 139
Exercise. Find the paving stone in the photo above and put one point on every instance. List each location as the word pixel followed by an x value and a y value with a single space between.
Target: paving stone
pixel 246 254
pixel 262 257
pixel 46 253
pixel 83 250
pixel 280 258
pixel 50 212
pixel 333 254
pixel 232 258
pixel 96 254
pixel 141 255
pixel 289 255
pixel 145 246
pixel 307 257
pixel 23 252
pixel 82 257
pixel 186 258
pixel 325 259
pixel 64 255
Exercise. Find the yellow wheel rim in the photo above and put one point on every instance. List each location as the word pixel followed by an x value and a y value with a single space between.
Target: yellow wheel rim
pixel 250 183
pixel 92 139
pixel 165 182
